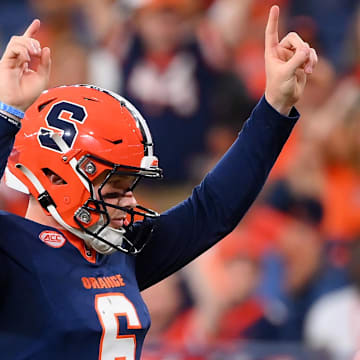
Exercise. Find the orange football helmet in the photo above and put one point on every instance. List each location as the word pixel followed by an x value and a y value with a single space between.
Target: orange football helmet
pixel 79 132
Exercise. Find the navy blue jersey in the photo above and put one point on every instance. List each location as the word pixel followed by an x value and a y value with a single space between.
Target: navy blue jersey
pixel 60 300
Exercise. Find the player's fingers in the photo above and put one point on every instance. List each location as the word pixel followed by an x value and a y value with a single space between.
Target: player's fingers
pixel 313 60
pixel 303 56
pixel 45 63
pixel 32 29
pixel 301 77
pixel 31 45
pixel 299 59
pixel 17 55
pixel 25 67
pixel 310 64
pixel 271 31
pixel 35 47
pixel 292 41
pixel 313 51
pixel 285 54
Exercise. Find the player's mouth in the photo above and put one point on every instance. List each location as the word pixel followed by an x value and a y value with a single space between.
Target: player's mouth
pixel 118 222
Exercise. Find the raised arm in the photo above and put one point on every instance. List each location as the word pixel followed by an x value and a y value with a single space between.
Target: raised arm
pixel 226 193
pixel 24 74
pixel 24 69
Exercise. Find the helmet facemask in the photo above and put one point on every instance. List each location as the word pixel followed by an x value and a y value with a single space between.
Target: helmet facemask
pixel 123 238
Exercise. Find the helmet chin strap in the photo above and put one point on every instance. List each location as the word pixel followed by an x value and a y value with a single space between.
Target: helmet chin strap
pixel 111 235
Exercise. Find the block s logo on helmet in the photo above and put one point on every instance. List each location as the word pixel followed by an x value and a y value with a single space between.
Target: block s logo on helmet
pixel 62 116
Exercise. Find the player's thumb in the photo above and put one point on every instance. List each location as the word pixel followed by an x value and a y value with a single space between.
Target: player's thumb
pixel 298 60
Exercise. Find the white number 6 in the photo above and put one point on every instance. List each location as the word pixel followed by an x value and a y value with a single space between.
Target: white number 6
pixel 112 345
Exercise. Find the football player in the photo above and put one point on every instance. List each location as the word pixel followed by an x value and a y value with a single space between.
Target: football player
pixel 73 269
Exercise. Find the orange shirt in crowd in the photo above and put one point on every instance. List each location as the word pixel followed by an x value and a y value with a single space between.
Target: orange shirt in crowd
pixel 341 203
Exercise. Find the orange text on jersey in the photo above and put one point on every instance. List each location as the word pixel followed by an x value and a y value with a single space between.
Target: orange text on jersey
pixel 103 282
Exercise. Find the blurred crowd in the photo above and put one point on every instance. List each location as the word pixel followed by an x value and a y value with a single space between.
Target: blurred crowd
pixel 289 274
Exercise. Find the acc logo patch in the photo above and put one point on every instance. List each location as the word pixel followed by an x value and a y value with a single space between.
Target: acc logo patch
pixel 52 238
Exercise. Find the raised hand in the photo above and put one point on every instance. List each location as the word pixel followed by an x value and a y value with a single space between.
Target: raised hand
pixel 288 63
pixel 24 69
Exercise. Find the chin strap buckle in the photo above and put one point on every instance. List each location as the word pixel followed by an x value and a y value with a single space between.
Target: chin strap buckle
pixel 45 200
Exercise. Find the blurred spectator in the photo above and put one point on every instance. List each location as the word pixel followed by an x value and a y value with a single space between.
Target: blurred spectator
pixel 221 30
pixel 341 153
pixel 298 272
pixel 333 321
pixel 222 287
pixel 225 308
pixel 322 155
pixel 316 118
pixel 332 20
pixel 164 301
pixel 166 76
pixel 15 15
pixel 61 31
pixel 249 59
pixel 353 46
pixel 228 119
pixel 107 24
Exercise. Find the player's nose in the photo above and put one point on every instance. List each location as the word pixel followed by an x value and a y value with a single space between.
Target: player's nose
pixel 128 200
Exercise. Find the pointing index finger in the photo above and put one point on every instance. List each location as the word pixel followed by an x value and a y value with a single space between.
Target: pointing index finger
pixel 32 29
pixel 271 32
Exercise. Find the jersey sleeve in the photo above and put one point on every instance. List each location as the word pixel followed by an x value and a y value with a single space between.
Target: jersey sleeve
pixel 217 205
pixel 7 138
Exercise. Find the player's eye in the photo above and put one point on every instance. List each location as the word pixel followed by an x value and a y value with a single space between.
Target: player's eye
pixel 112 195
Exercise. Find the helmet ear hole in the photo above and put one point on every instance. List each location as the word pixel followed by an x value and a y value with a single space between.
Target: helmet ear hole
pixel 43 105
pixel 54 178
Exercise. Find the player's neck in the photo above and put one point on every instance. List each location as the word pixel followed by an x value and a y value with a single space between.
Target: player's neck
pixel 36 213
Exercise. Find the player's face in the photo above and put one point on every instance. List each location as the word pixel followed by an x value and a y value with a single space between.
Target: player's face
pixel 116 191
